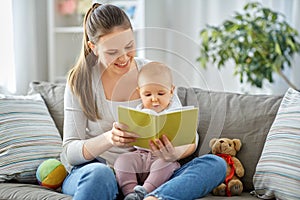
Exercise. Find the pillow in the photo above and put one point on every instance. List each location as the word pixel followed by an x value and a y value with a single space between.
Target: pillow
pixel 278 170
pixel 28 137
pixel 53 95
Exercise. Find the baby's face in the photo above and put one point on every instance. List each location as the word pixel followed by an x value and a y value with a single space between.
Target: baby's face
pixel 156 97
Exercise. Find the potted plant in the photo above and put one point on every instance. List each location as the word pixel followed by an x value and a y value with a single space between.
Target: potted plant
pixel 259 41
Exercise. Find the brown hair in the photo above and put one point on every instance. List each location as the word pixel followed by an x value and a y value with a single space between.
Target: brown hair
pixel 98 21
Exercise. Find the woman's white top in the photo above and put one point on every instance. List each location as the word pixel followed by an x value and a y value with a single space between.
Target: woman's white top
pixel 78 128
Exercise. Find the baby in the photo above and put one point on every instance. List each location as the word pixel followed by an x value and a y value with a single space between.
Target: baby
pixel 156 89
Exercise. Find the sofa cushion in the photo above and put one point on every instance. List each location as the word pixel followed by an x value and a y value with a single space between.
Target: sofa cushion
pixel 53 95
pixel 232 115
pixel 28 137
pixel 278 170
pixel 22 191
pixel 243 196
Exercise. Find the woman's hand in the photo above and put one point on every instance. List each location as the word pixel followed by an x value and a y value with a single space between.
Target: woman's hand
pixel 121 138
pixel 164 149
pixel 95 146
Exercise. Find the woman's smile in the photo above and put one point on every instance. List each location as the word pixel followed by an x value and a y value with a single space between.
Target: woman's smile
pixel 123 65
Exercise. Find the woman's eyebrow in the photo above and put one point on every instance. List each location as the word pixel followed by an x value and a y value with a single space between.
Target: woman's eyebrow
pixel 107 50
pixel 129 42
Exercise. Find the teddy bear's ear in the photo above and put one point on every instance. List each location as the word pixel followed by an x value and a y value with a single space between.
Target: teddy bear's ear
pixel 237 144
pixel 212 142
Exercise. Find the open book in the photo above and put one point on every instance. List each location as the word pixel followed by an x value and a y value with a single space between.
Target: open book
pixel 179 125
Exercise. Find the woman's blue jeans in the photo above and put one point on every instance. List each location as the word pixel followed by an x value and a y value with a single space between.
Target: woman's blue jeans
pixel 193 180
pixel 92 181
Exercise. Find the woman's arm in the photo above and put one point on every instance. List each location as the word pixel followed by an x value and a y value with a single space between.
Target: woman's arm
pixel 75 127
pixel 77 147
pixel 93 147
pixel 185 151
pixel 115 137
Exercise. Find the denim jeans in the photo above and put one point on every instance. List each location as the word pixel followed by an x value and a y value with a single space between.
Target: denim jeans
pixel 92 181
pixel 193 180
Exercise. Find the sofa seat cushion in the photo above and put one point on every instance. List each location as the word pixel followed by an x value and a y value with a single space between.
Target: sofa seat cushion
pixel 29 192
pixel 36 192
pixel 243 196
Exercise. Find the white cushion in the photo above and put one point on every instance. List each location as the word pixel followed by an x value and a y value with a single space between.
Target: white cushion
pixel 278 170
pixel 28 137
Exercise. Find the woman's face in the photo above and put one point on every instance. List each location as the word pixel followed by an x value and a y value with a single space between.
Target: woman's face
pixel 116 50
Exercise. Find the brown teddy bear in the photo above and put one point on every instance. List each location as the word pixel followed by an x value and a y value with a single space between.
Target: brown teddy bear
pixel 227 149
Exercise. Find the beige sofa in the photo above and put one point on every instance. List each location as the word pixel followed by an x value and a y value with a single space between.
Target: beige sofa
pixel 221 114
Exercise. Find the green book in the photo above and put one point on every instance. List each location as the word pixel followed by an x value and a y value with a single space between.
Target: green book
pixel 179 125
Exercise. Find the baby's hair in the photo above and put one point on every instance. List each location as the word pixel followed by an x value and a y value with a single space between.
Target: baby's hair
pixel 155 72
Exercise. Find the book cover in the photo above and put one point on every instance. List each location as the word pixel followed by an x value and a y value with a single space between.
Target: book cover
pixel 179 125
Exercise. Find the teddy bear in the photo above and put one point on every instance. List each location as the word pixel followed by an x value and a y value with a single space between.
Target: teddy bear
pixel 227 149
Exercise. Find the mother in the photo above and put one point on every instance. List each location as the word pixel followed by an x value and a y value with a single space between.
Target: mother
pixel 104 77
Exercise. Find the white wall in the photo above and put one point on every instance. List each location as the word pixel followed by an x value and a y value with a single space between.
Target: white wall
pixel 174 39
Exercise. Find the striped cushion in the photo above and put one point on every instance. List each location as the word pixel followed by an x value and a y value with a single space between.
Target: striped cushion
pixel 28 136
pixel 278 170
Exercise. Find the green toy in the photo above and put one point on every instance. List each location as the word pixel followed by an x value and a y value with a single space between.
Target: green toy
pixel 51 173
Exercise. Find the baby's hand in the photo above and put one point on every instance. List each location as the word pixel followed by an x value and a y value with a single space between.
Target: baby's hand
pixel 164 149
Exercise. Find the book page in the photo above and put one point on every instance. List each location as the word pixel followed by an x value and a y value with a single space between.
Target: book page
pixel 179 126
pixel 140 123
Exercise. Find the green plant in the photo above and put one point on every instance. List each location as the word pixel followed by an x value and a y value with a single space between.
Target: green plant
pixel 259 42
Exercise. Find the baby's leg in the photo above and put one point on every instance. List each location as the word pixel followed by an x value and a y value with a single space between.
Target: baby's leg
pixel 160 172
pixel 126 168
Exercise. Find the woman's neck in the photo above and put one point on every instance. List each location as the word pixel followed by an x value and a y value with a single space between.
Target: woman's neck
pixel 120 87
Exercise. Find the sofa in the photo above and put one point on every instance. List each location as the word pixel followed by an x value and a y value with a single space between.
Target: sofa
pixel 221 114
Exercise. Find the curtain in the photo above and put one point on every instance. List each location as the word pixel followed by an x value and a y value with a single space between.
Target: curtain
pixel 295 15
pixel 30 38
pixel 7 65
